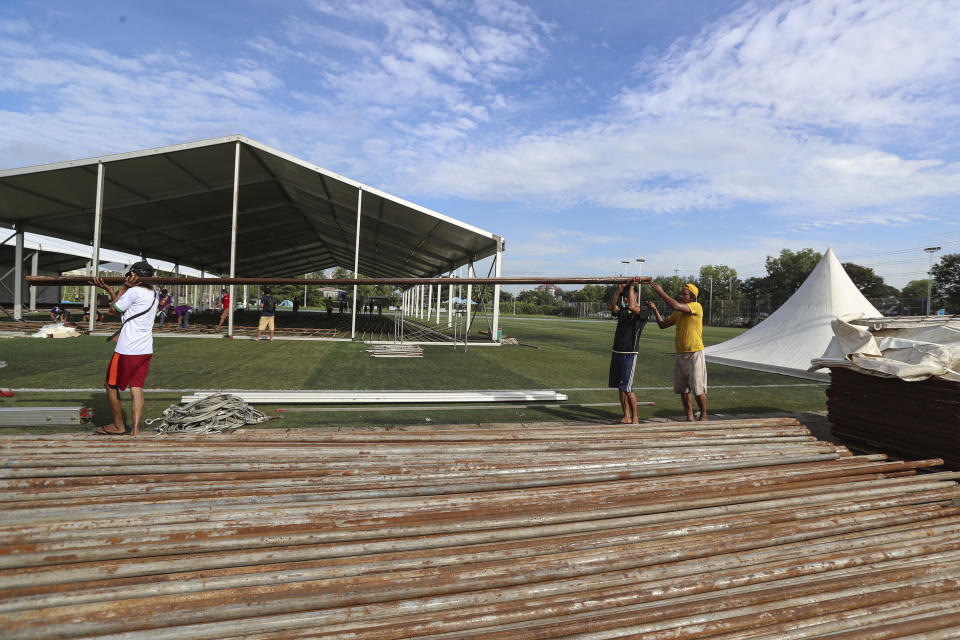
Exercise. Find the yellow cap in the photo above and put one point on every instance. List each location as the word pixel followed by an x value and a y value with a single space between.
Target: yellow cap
pixel 693 288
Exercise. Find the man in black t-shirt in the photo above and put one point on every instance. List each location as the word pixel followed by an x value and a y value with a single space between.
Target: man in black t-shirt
pixel 268 309
pixel 623 360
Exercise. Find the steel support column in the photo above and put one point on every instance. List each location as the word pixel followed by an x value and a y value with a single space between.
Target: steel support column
pixel 34 267
pixel 18 274
pixel 498 260
pixel 438 305
pixel 95 257
pixel 88 290
pixel 356 266
pixel 470 274
pixel 450 301
pixel 233 237
pixel 429 302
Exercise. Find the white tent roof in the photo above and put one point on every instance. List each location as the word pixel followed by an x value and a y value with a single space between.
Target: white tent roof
pixel 799 330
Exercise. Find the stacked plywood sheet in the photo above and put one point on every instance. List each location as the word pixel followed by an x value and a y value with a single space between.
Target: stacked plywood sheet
pixel 662 530
pixel 906 419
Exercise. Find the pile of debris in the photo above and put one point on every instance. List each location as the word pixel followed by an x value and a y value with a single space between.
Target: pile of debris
pixel 56 330
pixel 681 530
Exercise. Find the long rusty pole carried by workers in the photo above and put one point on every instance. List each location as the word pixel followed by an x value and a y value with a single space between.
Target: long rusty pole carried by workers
pixel 41 281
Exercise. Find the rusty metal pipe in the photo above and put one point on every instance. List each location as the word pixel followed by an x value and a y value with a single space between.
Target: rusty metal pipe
pixel 46 281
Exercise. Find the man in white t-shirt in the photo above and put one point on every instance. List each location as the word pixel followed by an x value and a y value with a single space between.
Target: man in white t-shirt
pixel 137 302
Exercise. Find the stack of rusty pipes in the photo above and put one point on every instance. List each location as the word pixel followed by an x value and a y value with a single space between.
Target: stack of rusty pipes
pixel 727 529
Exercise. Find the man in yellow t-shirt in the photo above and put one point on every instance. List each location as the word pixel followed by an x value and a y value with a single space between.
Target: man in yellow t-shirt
pixel 690 372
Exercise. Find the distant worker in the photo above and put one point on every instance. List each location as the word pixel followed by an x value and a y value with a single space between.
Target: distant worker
pixel 183 315
pixel 59 313
pixel 163 307
pixel 86 315
pixel 268 309
pixel 329 304
pixel 225 301
pixel 137 302
pixel 690 371
pixel 623 358
pixel 296 305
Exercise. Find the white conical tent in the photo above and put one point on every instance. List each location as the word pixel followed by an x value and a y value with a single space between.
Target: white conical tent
pixel 800 329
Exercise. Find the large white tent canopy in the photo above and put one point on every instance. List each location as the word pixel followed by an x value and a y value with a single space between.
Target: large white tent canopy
pixel 799 330
pixel 174 203
pixel 233 206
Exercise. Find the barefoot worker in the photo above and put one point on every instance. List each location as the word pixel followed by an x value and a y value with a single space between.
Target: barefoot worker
pixel 137 302
pixel 623 361
pixel 690 371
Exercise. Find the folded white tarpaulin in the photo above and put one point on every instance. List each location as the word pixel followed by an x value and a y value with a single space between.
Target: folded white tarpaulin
pixel 914 350
pixel 799 330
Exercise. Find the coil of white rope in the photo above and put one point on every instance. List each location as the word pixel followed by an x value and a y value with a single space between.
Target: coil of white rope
pixel 213 414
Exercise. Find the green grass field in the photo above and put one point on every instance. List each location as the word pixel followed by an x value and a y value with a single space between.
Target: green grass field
pixel 573 357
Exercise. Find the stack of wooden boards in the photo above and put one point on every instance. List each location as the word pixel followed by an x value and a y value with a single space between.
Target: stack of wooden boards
pixel 728 529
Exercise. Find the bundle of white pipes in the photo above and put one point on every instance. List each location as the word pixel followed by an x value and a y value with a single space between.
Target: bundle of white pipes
pixel 727 529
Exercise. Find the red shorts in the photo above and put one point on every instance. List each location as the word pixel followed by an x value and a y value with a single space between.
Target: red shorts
pixel 125 370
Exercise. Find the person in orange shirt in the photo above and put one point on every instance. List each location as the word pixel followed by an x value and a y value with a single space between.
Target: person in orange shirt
pixel 690 371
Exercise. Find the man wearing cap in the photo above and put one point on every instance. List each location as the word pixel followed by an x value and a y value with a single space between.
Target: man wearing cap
pixel 226 307
pixel 137 302
pixel 690 371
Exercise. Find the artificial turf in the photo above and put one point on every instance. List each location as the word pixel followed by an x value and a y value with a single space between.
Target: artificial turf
pixel 567 355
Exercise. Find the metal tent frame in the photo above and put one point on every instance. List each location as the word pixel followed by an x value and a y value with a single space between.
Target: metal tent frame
pixel 234 206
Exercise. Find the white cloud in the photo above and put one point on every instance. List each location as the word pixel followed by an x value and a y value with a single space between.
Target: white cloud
pixel 826 62
pixel 741 114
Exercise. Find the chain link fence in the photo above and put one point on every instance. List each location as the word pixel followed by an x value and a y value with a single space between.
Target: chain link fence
pixel 746 312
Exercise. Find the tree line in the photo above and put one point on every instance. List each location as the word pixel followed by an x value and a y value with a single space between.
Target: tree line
pixel 746 301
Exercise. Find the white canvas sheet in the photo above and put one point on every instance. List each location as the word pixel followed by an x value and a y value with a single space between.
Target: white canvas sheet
pixel 911 354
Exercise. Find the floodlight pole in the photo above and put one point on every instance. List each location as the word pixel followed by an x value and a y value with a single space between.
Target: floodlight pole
pixel 95 257
pixel 930 251
pixel 356 266
pixel 233 237
pixel 625 263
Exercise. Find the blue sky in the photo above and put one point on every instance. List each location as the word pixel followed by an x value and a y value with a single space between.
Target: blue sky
pixel 686 132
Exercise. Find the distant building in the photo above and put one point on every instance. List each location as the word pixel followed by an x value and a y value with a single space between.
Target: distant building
pixel 550 288
pixel 331 292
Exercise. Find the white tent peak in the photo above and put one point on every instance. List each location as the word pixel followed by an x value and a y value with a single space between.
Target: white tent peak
pixel 799 330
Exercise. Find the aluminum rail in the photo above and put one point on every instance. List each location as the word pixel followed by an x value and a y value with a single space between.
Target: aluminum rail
pixel 40 281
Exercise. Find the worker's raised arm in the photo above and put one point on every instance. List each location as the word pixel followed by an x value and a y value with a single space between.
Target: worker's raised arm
pixel 612 302
pixel 632 298
pixel 675 305
pixel 662 322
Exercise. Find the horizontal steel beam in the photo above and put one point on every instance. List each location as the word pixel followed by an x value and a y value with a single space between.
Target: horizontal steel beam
pixel 40 281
